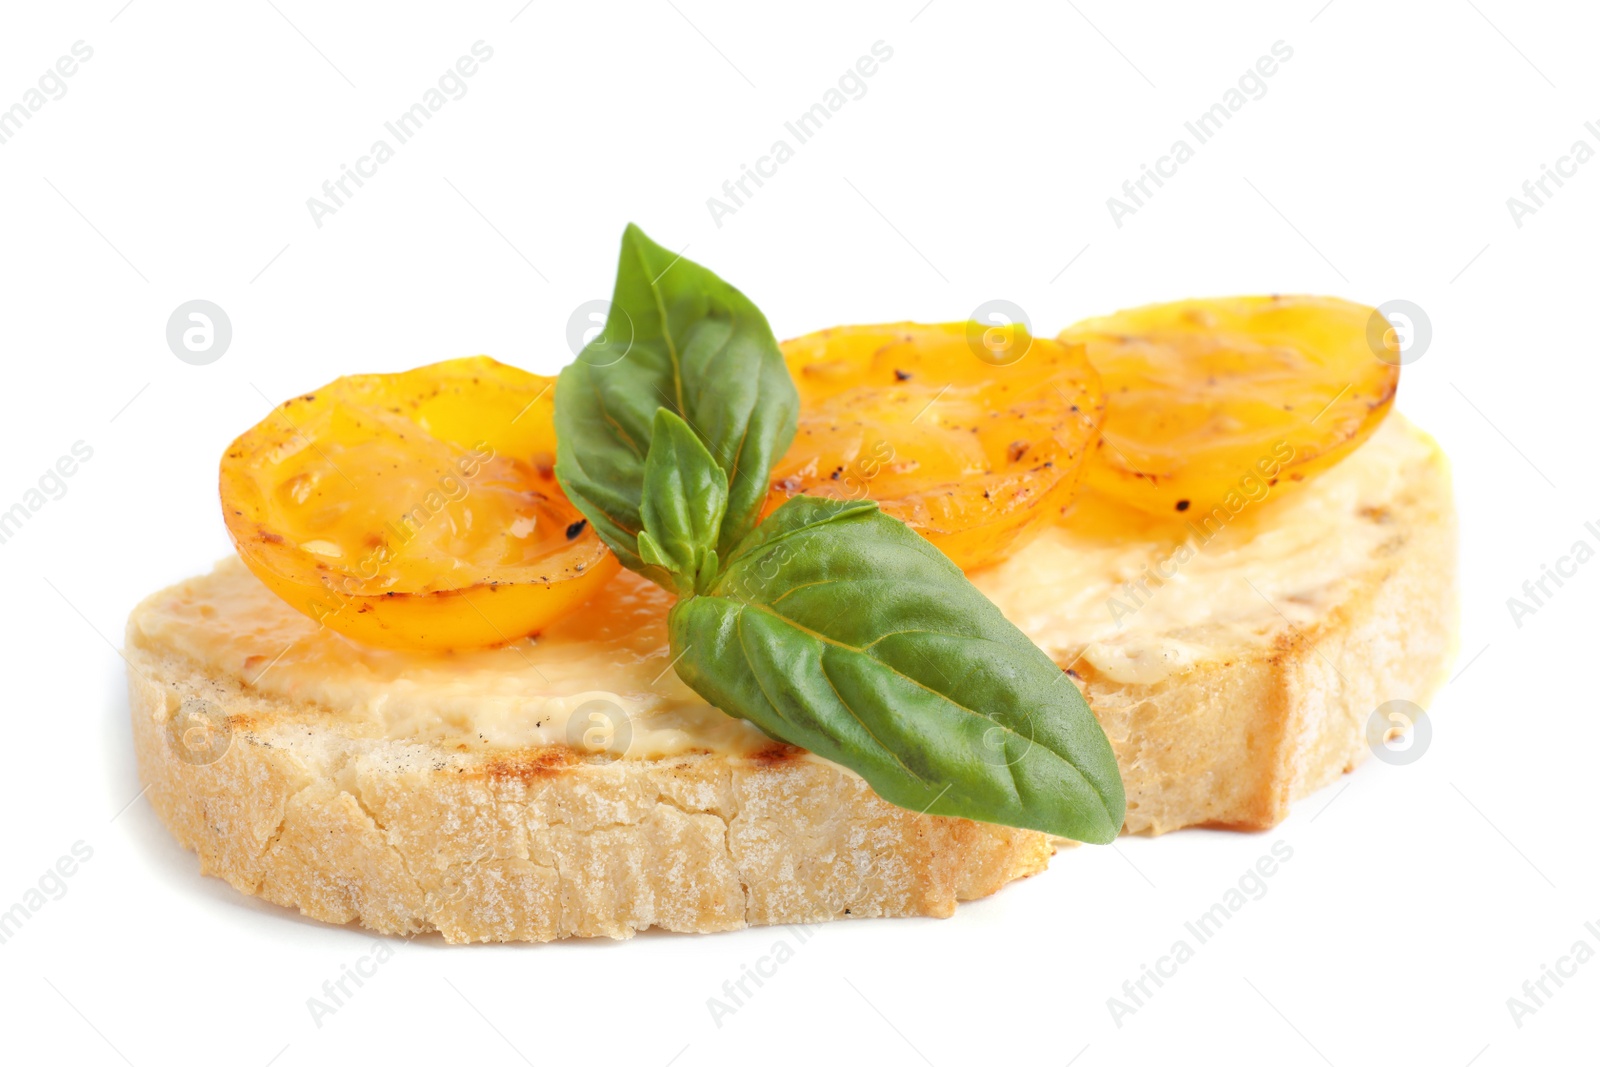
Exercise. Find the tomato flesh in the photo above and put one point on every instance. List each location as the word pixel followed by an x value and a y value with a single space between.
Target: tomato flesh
pixel 1213 400
pixel 970 453
pixel 415 510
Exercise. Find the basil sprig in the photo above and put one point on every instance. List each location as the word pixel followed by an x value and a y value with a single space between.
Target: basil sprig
pixel 829 625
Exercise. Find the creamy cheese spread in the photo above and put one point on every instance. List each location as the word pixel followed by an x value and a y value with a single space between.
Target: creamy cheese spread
pixel 1130 598
pixel 1139 599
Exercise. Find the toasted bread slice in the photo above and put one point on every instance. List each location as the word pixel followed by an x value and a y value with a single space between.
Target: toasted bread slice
pixel 433 793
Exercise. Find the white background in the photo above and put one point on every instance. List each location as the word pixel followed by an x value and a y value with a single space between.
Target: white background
pixel 977 165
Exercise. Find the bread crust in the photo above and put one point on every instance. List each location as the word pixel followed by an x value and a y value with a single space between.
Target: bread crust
pixel 541 844
pixel 1234 741
pixel 301 808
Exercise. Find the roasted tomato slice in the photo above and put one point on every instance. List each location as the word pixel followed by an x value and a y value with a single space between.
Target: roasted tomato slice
pixel 414 510
pixel 1212 400
pixel 969 440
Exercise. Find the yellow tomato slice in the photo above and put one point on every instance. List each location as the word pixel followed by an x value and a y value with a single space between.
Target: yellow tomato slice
pixel 1209 402
pixel 415 510
pixel 969 441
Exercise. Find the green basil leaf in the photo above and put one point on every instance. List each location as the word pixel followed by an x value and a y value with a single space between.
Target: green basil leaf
pixel 677 337
pixel 685 495
pixel 837 628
